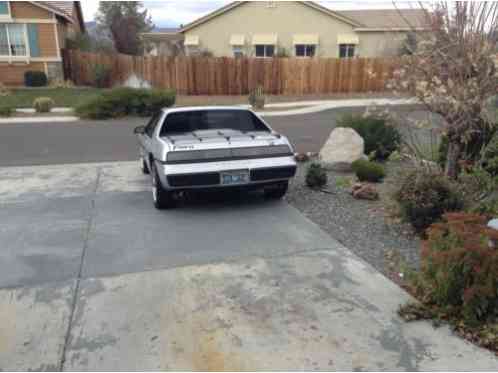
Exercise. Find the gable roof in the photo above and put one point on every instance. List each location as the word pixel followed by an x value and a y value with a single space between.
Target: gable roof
pixel 388 18
pixel 361 20
pixel 235 4
pixel 69 10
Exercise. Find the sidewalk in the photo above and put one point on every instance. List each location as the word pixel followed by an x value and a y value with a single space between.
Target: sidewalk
pixel 288 108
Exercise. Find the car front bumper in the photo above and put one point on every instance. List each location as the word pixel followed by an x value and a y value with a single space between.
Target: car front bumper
pixel 208 174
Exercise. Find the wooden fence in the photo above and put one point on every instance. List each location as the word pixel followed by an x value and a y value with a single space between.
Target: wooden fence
pixel 237 76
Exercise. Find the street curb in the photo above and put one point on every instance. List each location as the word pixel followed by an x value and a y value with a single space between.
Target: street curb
pixel 54 110
pixel 38 120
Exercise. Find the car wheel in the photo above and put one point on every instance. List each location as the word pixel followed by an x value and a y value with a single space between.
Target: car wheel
pixel 162 198
pixel 277 191
pixel 145 168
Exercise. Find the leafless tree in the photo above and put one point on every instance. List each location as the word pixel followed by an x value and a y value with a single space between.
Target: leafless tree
pixel 452 71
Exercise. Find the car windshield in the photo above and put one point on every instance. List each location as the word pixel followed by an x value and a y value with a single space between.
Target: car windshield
pixel 198 120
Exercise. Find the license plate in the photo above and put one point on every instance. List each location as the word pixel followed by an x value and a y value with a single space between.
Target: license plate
pixel 235 177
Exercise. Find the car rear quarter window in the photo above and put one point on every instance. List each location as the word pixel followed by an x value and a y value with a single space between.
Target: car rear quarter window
pixel 190 121
pixel 153 122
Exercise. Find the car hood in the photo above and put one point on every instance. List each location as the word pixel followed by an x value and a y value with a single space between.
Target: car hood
pixel 216 139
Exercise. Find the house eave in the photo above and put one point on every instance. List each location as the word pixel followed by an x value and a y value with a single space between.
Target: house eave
pixel 387 29
pixel 61 14
pixel 210 16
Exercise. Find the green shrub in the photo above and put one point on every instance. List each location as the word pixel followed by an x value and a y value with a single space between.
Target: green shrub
pixel 472 150
pixel 424 197
pixel 126 101
pixel 101 76
pixel 480 189
pixel 368 171
pixel 381 139
pixel 489 160
pixel 316 175
pixel 459 272
pixel 43 104
pixel 35 79
pixel 6 111
pixel 4 91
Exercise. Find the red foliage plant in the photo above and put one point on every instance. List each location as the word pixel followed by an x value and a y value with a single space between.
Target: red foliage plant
pixel 459 269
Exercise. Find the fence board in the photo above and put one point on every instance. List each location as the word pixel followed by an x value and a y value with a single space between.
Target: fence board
pixel 236 76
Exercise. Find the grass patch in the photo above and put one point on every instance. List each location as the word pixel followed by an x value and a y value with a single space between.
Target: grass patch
pixel 62 97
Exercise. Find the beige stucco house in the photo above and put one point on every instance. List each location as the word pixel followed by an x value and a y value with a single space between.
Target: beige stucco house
pixel 300 29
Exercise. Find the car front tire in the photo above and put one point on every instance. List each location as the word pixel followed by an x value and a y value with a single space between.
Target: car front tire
pixel 162 198
pixel 277 191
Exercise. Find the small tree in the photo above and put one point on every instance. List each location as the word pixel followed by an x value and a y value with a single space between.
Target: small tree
pixel 453 72
pixel 124 21
pixel 409 45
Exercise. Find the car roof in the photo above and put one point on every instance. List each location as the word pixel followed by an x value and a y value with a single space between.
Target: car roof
pixel 203 108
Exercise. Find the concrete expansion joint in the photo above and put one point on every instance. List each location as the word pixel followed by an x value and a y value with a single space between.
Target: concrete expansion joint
pixel 76 291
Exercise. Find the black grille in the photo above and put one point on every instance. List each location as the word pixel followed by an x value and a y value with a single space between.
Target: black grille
pixel 262 174
pixel 207 178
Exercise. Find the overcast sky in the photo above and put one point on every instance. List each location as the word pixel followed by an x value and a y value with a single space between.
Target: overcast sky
pixel 175 12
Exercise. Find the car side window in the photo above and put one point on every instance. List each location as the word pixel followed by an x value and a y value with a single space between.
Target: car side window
pixel 151 126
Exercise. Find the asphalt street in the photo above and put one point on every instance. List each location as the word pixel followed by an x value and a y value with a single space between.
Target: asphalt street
pixel 23 144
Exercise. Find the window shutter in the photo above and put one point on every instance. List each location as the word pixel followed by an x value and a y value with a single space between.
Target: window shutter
pixel 34 45
pixel 4 7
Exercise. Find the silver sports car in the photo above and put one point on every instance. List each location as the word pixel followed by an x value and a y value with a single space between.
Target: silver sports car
pixel 213 147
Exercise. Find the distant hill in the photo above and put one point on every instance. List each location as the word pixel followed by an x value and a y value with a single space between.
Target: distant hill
pixel 91 28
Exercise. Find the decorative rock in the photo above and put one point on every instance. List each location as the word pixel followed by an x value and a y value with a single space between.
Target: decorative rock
pixel 343 147
pixel 365 191
pixel 493 224
pixel 134 81
pixel 312 154
pixel 301 157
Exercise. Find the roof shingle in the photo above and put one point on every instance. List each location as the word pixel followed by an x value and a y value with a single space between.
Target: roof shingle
pixel 388 18
pixel 66 8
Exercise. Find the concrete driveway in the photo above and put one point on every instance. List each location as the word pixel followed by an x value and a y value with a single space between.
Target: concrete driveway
pixel 93 278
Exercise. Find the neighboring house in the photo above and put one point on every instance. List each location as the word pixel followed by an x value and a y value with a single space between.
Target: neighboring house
pixel 301 29
pixel 163 42
pixel 32 34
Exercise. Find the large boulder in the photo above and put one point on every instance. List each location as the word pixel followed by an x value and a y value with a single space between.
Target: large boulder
pixel 365 191
pixel 343 147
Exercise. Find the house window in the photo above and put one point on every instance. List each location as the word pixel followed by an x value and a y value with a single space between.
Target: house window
pixel 13 40
pixel 304 50
pixel 193 50
pixel 238 51
pixel 263 50
pixel 346 50
pixel 4 9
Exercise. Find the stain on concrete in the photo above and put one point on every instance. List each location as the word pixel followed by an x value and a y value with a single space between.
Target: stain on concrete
pixel 47 268
pixel 209 356
pixel 92 287
pixel 393 339
pixel 94 344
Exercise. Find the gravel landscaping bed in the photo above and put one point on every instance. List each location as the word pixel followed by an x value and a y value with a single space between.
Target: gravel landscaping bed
pixel 362 226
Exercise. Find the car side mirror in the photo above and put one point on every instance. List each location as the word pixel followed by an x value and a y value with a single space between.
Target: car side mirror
pixel 140 130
